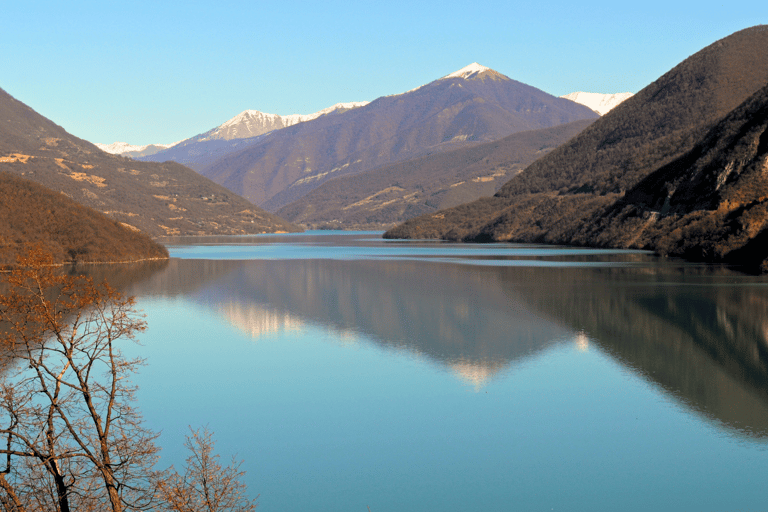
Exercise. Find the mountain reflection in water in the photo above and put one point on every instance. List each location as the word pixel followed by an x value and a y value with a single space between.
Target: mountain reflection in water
pixel 698 332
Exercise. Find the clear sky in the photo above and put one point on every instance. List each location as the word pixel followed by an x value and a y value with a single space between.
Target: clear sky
pixel 159 71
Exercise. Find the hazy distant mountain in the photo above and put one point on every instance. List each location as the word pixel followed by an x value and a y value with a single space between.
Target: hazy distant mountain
pixel 391 194
pixel 129 150
pixel 243 129
pixel 160 199
pixel 560 197
pixel 475 104
pixel 600 103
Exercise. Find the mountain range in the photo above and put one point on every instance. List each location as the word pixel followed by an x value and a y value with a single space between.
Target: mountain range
pixel 382 196
pixel 252 123
pixel 242 130
pixel 674 169
pixel 157 198
pixel 470 106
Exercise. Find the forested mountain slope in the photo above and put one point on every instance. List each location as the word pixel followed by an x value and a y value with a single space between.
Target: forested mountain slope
pixel 709 204
pixel 32 215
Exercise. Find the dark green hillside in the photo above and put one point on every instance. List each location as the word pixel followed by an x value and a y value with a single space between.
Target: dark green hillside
pixel 557 197
pixel 158 198
pixel 33 215
pixel 385 196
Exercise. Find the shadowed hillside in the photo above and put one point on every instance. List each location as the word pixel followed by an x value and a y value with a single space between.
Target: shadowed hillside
pixel 159 199
pixel 710 204
pixel 33 215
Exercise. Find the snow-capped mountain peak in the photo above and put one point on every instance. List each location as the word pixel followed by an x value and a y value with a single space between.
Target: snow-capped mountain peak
pixel 470 71
pixel 600 103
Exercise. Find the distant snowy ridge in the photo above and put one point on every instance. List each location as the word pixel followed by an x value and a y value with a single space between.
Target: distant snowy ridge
pixel 600 103
pixel 251 123
pixel 248 123
pixel 118 148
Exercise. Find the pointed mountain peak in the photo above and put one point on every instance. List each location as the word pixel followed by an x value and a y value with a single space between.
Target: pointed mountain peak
pixel 474 70
pixel 468 71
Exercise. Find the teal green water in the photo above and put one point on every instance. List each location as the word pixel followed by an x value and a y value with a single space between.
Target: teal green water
pixel 348 371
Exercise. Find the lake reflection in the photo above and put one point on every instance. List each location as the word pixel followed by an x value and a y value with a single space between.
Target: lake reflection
pixel 419 376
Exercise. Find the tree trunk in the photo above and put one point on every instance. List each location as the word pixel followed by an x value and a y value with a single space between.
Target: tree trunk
pixel 62 491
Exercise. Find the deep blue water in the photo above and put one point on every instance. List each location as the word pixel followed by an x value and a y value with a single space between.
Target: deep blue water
pixel 348 371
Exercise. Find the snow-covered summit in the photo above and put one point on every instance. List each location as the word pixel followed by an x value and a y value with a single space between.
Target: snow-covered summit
pixel 600 103
pixel 469 71
pixel 248 123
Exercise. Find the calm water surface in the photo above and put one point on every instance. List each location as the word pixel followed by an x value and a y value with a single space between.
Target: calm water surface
pixel 348 371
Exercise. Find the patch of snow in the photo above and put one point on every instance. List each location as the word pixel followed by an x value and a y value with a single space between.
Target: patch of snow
pixel 118 148
pixel 600 103
pixel 468 71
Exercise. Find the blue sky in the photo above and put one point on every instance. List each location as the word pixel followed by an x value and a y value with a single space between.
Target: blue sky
pixel 157 72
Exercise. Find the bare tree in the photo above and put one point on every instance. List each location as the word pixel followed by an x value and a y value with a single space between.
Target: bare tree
pixel 206 485
pixel 67 412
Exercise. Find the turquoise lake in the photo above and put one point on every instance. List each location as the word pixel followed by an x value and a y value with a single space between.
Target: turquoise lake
pixel 350 372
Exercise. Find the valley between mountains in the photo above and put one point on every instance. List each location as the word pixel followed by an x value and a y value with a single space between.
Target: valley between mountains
pixel 474 156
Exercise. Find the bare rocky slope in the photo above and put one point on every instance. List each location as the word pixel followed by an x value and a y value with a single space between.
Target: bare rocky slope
pixel 595 189
pixel 157 198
